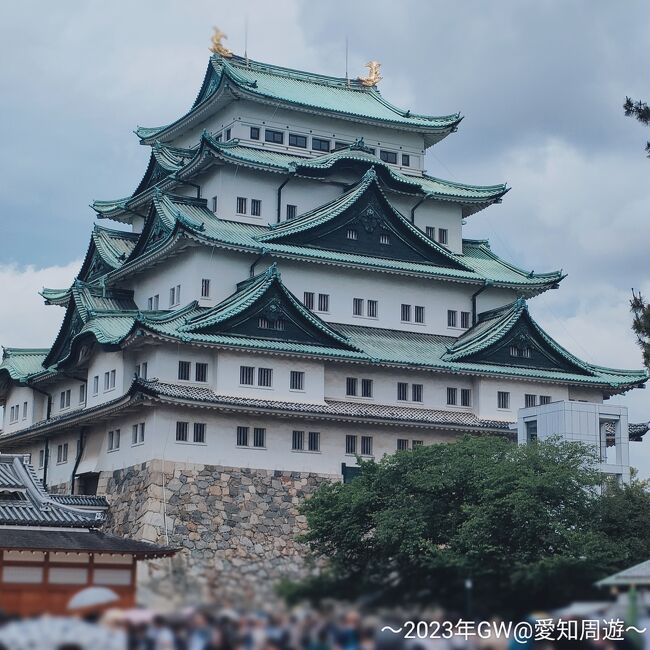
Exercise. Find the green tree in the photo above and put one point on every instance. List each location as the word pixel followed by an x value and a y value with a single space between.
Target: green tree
pixel 527 524
pixel 640 111
pixel 641 324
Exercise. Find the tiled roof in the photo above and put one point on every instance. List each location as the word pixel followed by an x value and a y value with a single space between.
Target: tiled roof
pixel 477 264
pixel 339 97
pixel 80 500
pixel 472 197
pixel 22 363
pixel 36 507
pixel 330 407
pixel 93 541
pixel 638 575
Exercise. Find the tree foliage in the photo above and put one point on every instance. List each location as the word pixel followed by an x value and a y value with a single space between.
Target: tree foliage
pixel 640 111
pixel 641 324
pixel 527 524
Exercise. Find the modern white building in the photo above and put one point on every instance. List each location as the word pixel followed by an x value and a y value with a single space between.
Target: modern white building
pixel 285 290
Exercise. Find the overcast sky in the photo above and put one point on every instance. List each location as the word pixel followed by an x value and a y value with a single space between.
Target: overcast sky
pixel 541 84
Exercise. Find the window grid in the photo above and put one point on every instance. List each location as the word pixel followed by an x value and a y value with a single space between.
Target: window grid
pixel 323 302
pixel 417 392
pixel 256 208
pixel 298 440
pixel 465 397
pixel 388 156
pixel 352 234
pixel 443 235
pixel 247 375
pixel 292 211
pixel 431 232
pixel 259 437
pixel 242 436
pixel 297 380
pixel 452 318
pixel 265 377
pixel 544 399
pixel 276 137
pixel 384 239
pixel 351 384
pixel 452 396
pixel 402 444
pixel 465 319
pixel 199 432
pixel 241 205
pixel 201 372
pixel 366 388
pixel 366 445
pixel 314 441
pixel 255 133
pixel 184 370
pixel 181 431
pixel 297 140
pixel 530 400
pixel 308 299
pixel 503 400
pixel 406 313
pixel 320 144
pixel 402 391
pixel 350 444
pixel 357 306
pixel 372 309
pixel 406 160
pixel 419 314
pixel 205 288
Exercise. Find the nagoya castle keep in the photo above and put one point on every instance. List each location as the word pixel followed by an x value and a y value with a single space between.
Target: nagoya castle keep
pixel 286 291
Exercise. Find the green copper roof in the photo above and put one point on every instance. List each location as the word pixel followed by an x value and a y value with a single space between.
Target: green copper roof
pixel 477 263
pixel 472 197
pixel 235 77
pixel 55 296
pixel 23 363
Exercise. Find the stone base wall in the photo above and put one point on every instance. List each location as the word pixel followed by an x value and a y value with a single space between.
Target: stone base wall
pixel 236 527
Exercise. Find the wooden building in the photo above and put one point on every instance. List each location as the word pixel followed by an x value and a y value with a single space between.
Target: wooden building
pixel 53 556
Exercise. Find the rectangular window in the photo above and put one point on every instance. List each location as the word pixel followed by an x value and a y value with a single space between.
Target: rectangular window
pixel 406 160
pixel 82 398
pixel 464 319
pixel 503 400
pixel 402 444
pixel 228 134
pixel 296 140
pixel 416 392
pixel 241 205
pixel 246 375
pixel 419 314
pixel 372 309
pixel 184 370
pixel 531 431
pixel 175 295
pixel 276 137
pixel 388 156
pixel 265 377
pixel 144 366
pixel 530 400
pixel 544 399
pixel 452 396
pixel 61 401
pixel 514 351
pixel 465 397
pixel 95 384
pixel 215 203
pixel 384 239
pixel 352 234
pixel 314 441
pixel 62 452
pixel 297 380
pixel 199 432
pixel 156 301
pixel 259 437
pixel 431 232
pixel 256 207
pixel 416 443
pixel 350 444
pixel 357 306
pixel 366 445
pixel 351 386
pixel 308 299
pixel 452 318
pixel 181 431
pixel 366 388
pixel 298 440
pixel 442 235
pixel 255 133
pixel 150 303
pixel 113 440
pixel 320 144
pixel 323 302
pixel 402 391
pixel 205 288
pixel 292 211
pixel 41 458
pixel 134 434
pixel 242 436
pixel 112 379
pixel 406 313
pixel 201 372
pixel 340 145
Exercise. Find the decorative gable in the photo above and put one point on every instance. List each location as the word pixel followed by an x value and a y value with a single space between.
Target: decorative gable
pixel 263 308
pixel 363 222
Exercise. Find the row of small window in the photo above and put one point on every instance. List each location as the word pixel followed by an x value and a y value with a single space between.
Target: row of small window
pixel 465 396
pixel 200 371
pixel 14 413
pixel 263 377
pixel 109 382
pixel 310 301
pixel 153 302
pixel 503 400
pixel 255 207
pixel 353 234
pixel 321 144
pixel 453 320
pixel 443 234
pixel 114 436
pixel 64 397
pixel 61 454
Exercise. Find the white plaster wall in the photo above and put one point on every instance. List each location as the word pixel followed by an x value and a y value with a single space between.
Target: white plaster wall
pixel 223 268
pixel 385 386
pixel 488 389
pixel 103 362
pixel 36 405
pixel 244 114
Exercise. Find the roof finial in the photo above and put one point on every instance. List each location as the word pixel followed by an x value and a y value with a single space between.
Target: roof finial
pixel 373 77
pixel 217 46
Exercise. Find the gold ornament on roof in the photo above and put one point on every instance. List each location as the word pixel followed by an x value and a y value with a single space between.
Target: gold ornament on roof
pixel 217 46
pixel 373 77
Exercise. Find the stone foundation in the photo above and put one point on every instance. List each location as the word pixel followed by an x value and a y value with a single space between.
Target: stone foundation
pixel 236 527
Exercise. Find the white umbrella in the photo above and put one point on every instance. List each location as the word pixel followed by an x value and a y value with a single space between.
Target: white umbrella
pixel 91 597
